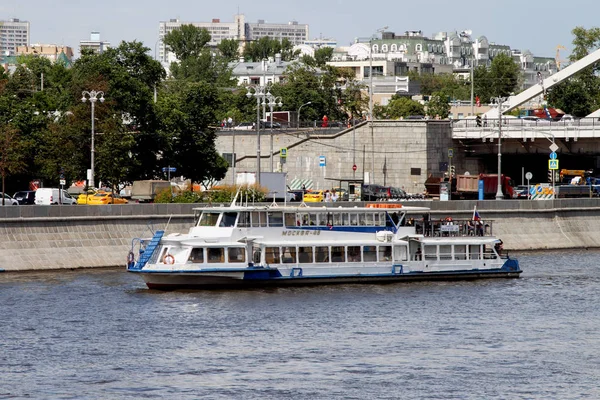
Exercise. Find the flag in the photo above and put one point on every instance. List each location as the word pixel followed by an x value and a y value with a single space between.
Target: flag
pixel 476 216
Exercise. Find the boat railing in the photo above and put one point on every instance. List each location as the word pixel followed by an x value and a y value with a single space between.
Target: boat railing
pixel 448 228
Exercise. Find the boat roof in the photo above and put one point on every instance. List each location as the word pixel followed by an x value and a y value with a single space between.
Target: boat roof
pixel 393 207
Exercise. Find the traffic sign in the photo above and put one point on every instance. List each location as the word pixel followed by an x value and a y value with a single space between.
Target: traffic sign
pixel 450 153
pixel 528 175
pixel 553 164
pixel 322 161
pixel 554 147
pixel 553 156
pixel 283 152
pixel 63 181
pixel 169 169
pixel 354 167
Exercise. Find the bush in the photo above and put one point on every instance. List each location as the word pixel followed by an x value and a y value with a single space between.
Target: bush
pixel 218 194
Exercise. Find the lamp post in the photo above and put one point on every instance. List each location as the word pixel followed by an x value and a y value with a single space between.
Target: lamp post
pixel 305 104
pixel 272 101
pixel 92 96
pixel 259 93
pixel 372 180
pixel 499 101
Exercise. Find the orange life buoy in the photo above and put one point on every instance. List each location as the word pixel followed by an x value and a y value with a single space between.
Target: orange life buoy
pixel 168 259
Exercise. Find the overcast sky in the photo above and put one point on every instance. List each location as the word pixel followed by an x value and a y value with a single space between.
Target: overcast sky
pixel 535 25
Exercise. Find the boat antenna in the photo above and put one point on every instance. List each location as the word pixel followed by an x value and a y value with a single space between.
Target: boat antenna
pixel 168 222
pixel 235 197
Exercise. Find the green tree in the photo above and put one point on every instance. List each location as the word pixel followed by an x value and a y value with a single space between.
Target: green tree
pixel 266 47
pixel 438 106
pixel 505 75
pixel 188 41
pixel 323 55
pixel 403 107
pixel 229 49
pixel 12 158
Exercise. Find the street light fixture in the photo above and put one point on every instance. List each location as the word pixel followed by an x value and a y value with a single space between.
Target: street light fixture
pixel 92 96
pixel 372 180
pixel 305 104
pixel 259 93
pixel 272 101
pixel 499 101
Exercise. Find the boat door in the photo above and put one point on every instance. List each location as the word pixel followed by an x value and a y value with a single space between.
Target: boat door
pixel 415 250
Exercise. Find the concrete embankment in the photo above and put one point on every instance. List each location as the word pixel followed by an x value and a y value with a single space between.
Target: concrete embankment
pixel 54 237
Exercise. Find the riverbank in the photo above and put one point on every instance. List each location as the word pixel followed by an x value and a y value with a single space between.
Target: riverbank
pixel 68 237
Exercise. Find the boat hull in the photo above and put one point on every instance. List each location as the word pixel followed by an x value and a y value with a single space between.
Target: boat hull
pixel 271 278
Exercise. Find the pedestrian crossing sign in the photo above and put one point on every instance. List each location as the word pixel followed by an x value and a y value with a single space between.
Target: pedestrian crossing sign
pixel 552 164
pixel 283 152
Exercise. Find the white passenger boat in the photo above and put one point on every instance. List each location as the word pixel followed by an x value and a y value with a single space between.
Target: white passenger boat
pixel 254 246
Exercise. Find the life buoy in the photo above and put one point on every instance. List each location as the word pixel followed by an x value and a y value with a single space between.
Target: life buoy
pixel 130 258
pixel 168 259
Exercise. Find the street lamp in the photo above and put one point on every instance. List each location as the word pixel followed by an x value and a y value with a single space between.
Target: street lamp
pixel 272 101
pixel 93 97
pixel 499 101
pixel 372 180
pixel 305 104
pixel 259 93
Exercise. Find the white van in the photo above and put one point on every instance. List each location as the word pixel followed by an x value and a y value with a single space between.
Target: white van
pixel 49 196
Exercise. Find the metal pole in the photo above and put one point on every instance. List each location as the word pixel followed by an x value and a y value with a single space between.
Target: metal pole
pixel 271 111
pixel 93 101
pixel 257 137
pixel 372 178
pixel 472 106
pixel 499 195
pixel 233 156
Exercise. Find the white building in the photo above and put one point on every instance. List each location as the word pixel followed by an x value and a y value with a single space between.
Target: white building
pixel 95 44
pixel 13 33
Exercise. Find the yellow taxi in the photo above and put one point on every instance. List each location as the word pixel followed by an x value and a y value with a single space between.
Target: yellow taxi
pixel 106 198
pixel 314 196
pixel 84 198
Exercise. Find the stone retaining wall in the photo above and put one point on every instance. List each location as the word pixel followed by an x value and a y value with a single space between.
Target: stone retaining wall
pixel 53 237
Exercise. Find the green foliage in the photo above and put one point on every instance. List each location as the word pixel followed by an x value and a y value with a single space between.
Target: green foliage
pixel 438 106
pixel 229 49
pixel 226 193
pixel 266 47
pixel 402 107
pixel 500 80
pixel 188 41
pixel 445 85
pixel 323 55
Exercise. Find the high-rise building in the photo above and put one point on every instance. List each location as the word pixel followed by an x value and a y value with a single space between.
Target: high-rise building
pixel 239 30
pixel 94 44
pixel 13 33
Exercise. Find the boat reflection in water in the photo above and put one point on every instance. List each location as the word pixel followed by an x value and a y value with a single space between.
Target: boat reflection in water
pixel 252 246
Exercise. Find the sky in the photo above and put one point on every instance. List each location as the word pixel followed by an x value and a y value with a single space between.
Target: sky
pixel 538 26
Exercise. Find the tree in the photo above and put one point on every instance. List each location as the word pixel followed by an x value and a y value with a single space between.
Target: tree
pixel 11 154
pixel 403 107
pixel 266 47
pixel 229 49
pixel 187 41
pixel 438 106
pixel 323 55
pixel 505 75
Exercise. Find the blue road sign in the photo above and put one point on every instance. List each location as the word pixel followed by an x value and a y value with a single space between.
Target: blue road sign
pixel 553 155
pixel 170 169
pixel 322 162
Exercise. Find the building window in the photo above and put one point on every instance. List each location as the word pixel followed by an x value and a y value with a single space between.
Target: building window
pixel 384 48
pixel 418 47
pixel 415 171
pixel 394 48
pixel 375 48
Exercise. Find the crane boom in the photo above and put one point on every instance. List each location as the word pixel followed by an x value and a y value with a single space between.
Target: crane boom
pixel 537 89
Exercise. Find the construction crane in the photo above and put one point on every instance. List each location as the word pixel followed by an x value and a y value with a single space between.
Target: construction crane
pixel 557 58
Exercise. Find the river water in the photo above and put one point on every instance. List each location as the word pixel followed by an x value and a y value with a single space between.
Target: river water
pixel 101 334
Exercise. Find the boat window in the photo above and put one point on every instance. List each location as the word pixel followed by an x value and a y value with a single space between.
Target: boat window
pixel 322 254
pixel 289 255
pixel 215 254
pixel 256 254
pixel 322 219
pixel 338 254
pixel 488 252
pixel 345 219
pixel 305 254
pixel 259 219
pixel 369 253
pixel 290 219
pixel 361 219
pixel 272 255
pixel 369 219
pixel 209 218
pixel 160 255
pixel 353 219
pixel 312 218
pixel 474 252
pixel 385 253
pixel 400 253
pixel 445 252
pixel 244 221
pixel 228 219
pixel 430 252
pixel 337 219
pixel 237 254
pixel 302 219
pixel 275 218
pixel 354 254
pixel 460 252
pixel 382 219
pixel 197 255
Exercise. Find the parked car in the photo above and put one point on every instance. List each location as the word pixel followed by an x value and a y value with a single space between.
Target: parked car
pixel 314 196
pixel 101 198
pixel 245 126
pixel 370 192
pixel 342 194
pixel 296 194
pixel 522 192
pixel 84 198
pixel 8 201
pixel 267 125
pixel 51 196
pixel 25 197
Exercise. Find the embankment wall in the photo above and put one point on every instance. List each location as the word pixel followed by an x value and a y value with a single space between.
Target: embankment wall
pixel 54 237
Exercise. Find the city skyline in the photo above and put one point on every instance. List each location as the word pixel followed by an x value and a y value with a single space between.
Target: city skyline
pixel 65 22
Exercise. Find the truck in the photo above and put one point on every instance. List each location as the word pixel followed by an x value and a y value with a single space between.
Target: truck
pixel 467 186
pixel 573 191
pixel 274 182
pixel 145 191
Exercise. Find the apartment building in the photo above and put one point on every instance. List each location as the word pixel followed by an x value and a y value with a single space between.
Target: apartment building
pixel 52 52
pixel 13 33
pixel 95 44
